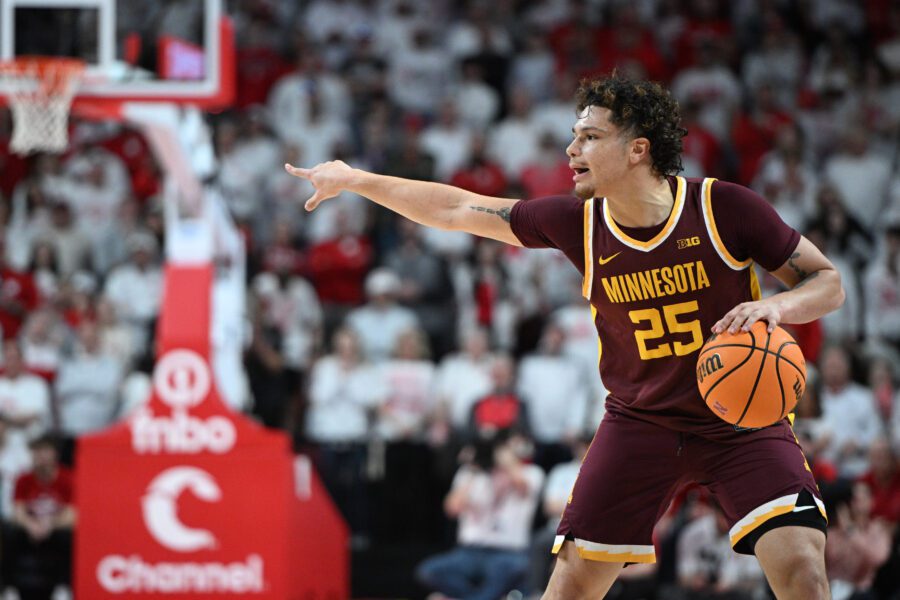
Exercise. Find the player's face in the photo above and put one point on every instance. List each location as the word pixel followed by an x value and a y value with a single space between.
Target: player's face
pixel 598 153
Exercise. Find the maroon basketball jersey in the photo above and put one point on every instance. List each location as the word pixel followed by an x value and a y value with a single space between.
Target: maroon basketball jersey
pixel 655 302
pixel 656 298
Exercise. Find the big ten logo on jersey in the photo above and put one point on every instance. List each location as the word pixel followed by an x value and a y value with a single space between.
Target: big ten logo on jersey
pixel 688 242
pixel 182 380
pixel 132 574
pixel 709 366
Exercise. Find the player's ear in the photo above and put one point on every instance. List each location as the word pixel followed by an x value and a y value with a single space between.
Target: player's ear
pixel 640 150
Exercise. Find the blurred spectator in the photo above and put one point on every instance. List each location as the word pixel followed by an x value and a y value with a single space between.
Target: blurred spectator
pixel 269 379
pixel 513 142
pixel 380 322
pixel 116 338
pixel 477 33
pixel 18 295
pixel 861 176
pixel 289 304
pixel 448 140
pixel 135 287
pixel 87 386
pixel 425 285
pixel 323 133
pixel 532 66
pixel 857 543
pixel 712 85
pixel 95 183
pixel 477 102
pixel 555 498
pixel 549 173
pixel 259 64
pixel 44 270
pixel 24 398
pixel 552 388
pixel 419 79
pixel 812 430
pixel 37 542
pixel 337 267
pixel 290 97
pixel 494 497
pixel 849 413
pixel 882 285
pixel 554 115
pixel 786 178
pixel 110 244
pixel 464 378
pixel 846 322
pixel 755 129
pixel 883 481
pixel 343 392
pixel 43 340
pixel 73 245
pixel 778 60
pixel 403 422
pixel 708 568
pixel 501 408
pixel 845 236
pixel 480 174
pixel 15 459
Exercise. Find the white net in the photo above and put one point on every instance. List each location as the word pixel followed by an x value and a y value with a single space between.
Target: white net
pixel 40 92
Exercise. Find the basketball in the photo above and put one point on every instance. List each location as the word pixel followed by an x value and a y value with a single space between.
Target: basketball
pixel 752 378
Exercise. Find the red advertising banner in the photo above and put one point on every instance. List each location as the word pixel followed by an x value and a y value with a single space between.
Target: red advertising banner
pixel 190 500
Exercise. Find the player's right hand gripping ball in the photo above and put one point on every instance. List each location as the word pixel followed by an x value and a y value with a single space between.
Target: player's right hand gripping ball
pixel 753 378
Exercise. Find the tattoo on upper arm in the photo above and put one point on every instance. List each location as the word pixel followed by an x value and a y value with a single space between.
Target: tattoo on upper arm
pixel 802 274
pixel 503 213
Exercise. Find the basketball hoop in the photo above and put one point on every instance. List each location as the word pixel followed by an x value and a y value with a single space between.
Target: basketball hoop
pixel 40 90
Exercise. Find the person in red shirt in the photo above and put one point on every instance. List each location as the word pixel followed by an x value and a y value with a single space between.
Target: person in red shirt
pixel 501 408
pixel 37 544
pixel 18 295
pixel 883 481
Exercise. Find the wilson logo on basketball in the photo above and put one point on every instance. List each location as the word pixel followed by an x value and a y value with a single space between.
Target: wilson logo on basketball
pixel 708 367
pixel 688 242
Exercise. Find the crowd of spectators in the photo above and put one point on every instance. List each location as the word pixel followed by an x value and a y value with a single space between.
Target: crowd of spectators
pixel 391 352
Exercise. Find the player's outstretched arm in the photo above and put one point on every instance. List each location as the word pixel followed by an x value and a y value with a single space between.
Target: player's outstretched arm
pixel 431 204
pixel 815 290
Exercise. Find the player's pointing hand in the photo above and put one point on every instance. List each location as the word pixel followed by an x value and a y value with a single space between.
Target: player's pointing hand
pixel 329 179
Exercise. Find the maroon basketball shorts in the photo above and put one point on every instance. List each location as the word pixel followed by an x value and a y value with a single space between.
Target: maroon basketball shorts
pixel 634 468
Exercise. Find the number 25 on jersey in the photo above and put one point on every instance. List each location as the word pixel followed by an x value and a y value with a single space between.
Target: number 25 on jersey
pixel 666 321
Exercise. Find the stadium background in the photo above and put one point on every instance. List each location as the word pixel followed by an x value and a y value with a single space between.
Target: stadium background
pixel 369 339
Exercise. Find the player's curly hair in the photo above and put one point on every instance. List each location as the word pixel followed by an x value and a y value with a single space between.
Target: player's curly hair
pixel 639 109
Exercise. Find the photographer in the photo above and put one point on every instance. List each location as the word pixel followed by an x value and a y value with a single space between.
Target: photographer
pixel 494 496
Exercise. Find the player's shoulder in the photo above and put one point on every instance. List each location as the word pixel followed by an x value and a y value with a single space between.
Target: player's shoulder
pixel 721 191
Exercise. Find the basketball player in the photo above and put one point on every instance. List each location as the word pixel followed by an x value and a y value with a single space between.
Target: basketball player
pixel 665 260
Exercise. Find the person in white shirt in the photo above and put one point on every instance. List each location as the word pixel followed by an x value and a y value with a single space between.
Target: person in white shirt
pixel 848 413
pixel 494 498
pixel 381 321
pixel 343 394
pixel 560 481
pixel 24 399
pixel 861 175
pixel 882 289
pixel 135 287
pixel 513 142
pixel 464 378
pixel 448 140
pixel 712 84
pixel 707 567
pixel 403 425
pixel 556 397
pixel 15 459
pixel 87 385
